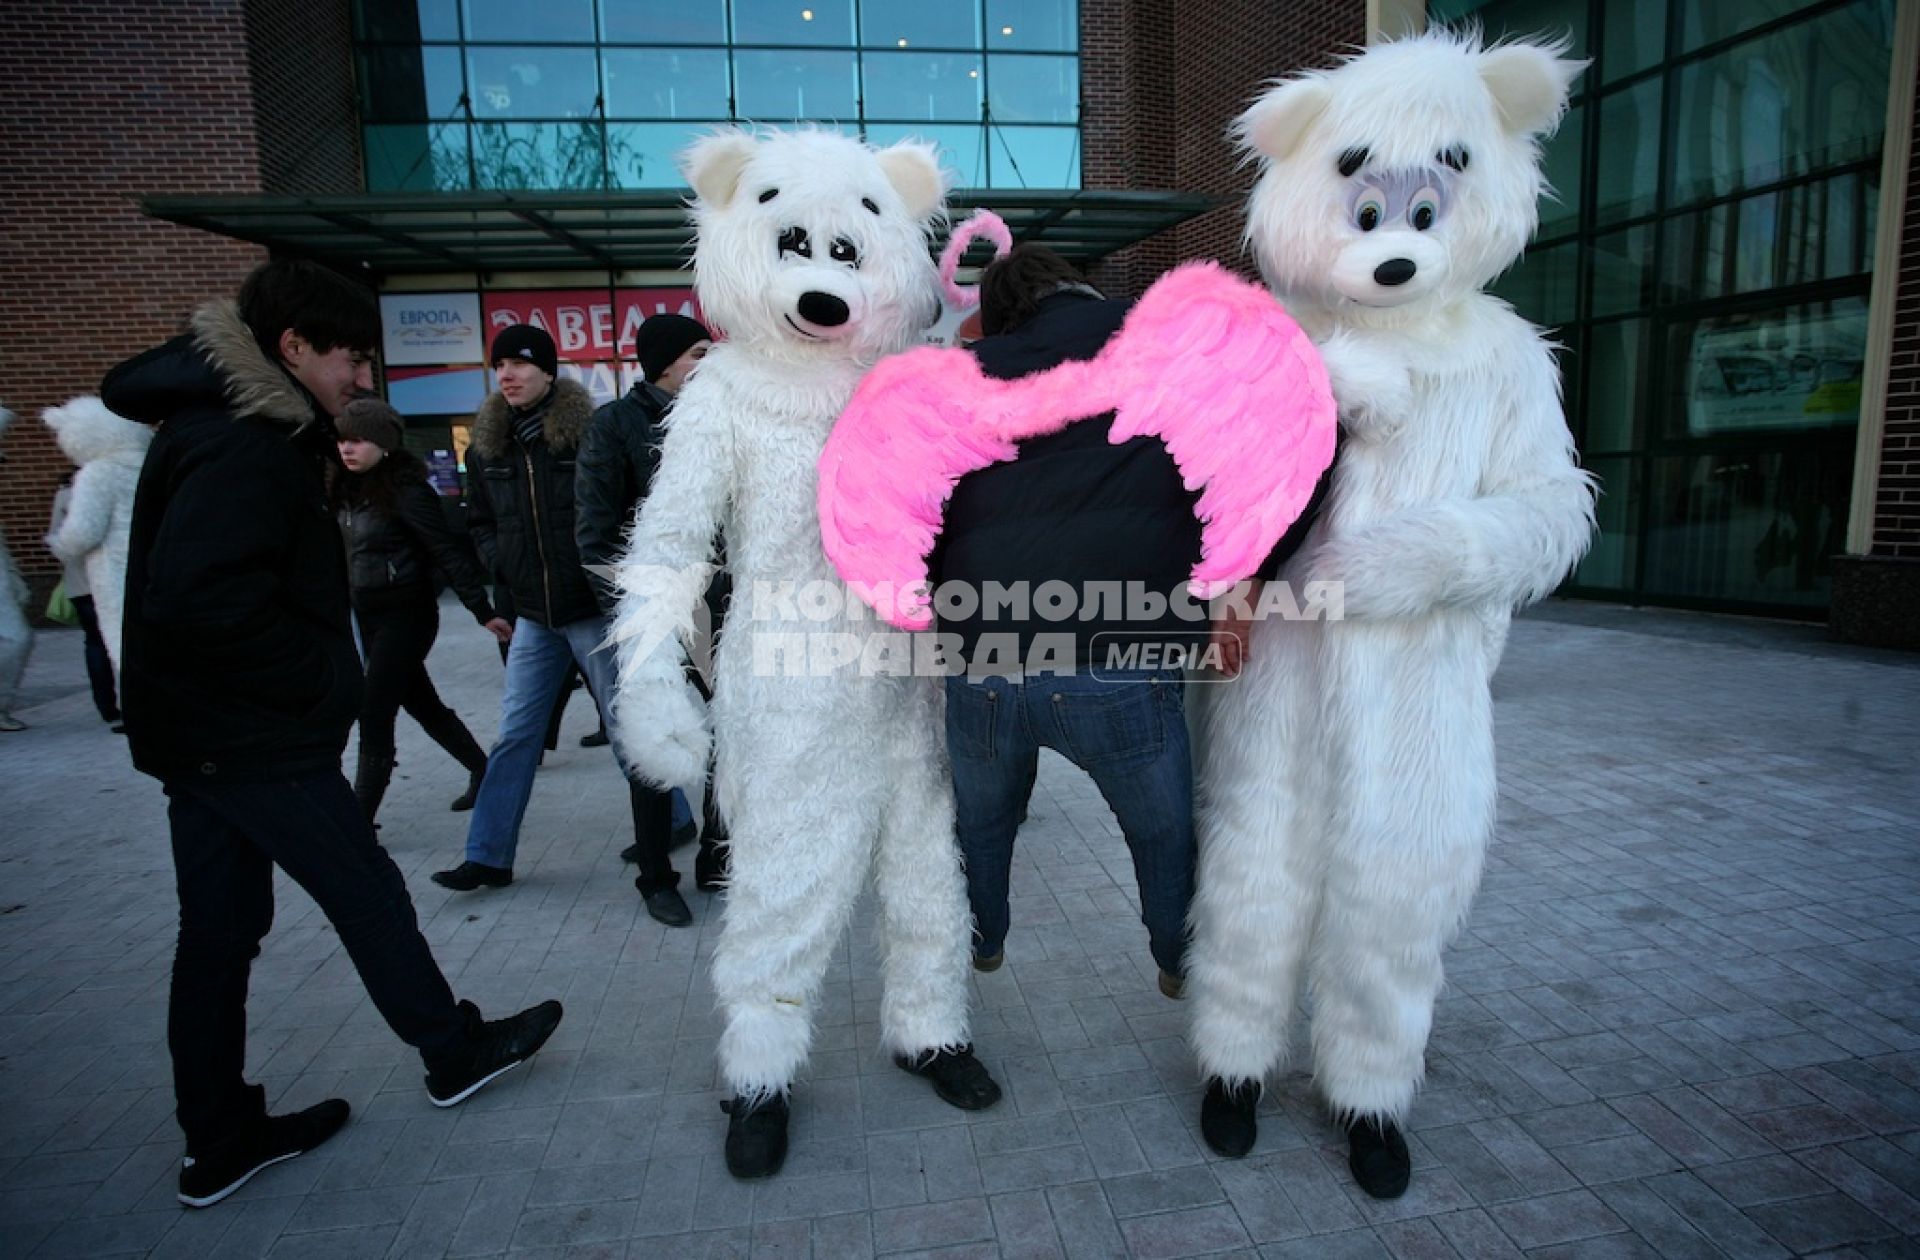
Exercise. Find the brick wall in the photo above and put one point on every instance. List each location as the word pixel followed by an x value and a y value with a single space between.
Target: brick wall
pixel 1139 132
pixel 1896 526
pixel 108 101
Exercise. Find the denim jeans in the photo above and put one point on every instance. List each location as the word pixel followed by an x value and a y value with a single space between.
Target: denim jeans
pixel 537 664
pixel 227 838
pixel 1127 731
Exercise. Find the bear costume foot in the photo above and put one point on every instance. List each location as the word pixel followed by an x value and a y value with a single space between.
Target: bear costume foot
pixel 1377 1156
pixel 1227 1118
pixel 756 1135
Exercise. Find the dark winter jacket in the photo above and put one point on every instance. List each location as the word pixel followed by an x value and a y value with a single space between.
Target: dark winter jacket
pixel 1075 508
pixel 397 534
pixel 520 504
pixel 618 458
pixel 238 661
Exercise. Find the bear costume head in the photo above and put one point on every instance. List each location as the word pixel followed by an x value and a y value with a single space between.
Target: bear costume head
pixel 812 244
pixel 86 431
pixel 1405 178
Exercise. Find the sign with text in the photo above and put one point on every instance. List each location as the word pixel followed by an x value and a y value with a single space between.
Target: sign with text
pixel 588 325
pixel 431 328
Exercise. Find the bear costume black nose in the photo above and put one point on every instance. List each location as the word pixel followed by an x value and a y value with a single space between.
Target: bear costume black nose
pixel 823 309
pixel 1394 271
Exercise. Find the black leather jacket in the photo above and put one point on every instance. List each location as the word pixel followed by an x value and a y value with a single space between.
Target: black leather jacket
pixel 397 534
pixel 520 501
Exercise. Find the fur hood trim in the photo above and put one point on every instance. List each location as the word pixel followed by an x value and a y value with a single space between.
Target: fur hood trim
pixel 563 427
pixel 255 386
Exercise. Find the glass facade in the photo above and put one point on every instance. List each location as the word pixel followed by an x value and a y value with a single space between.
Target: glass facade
pixel 570 94
pixel 1706 268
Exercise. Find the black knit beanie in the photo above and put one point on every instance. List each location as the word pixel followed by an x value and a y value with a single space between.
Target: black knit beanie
pixel 524 341
pixel 372 420
pixel 662 339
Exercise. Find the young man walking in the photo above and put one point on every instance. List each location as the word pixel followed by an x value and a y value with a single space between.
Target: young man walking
pixel 520 479
pixel 239 683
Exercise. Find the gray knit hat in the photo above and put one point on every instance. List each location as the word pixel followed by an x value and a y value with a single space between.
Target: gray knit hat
pixel 372 420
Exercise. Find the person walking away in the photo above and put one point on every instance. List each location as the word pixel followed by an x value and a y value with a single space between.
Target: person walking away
pixel 520 470
pixel 239 682
pixel 73 578
pixel 396 536
pixel 618 457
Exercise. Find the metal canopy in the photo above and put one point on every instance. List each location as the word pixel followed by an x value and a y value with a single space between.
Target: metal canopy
pixel 391 234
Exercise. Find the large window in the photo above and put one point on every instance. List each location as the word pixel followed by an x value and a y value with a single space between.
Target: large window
pixel 1706 269
pixel 459 94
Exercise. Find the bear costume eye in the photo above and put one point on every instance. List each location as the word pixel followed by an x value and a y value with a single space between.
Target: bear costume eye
pixel 794 241
pixel 1425 208
pixel 1369 210
pixel 769 195
pixel 842 251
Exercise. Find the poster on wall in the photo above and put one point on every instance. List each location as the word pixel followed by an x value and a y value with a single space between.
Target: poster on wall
pixel 588 325
pixel 430 328
pixel 1799 368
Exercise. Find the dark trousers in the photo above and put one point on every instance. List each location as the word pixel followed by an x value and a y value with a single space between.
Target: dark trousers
pixel 99 664
pixel 227 838
pixel 395 640
pixel 1128 731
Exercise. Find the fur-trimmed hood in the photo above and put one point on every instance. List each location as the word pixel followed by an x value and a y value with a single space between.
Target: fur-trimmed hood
pixel 87 431
pixel 563 426
pixel 217 363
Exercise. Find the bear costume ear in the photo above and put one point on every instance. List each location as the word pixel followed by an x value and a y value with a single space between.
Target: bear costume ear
pixel 1277 122
pixel 712 165
pixel 915 174
pixel 1529 85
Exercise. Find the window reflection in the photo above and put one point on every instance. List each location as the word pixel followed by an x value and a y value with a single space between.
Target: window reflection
pixel 932 86
pixel 962 149
pixel 416 157
pixel 1034 157
pixel 405 23
pixel 884 23
pixel 663 21
pixel 1627 180
pixel 647 155
pixel 410 84
pixel 512 21
pixel 778 86
pixel 666 83
pixel 1034 89
pixel 1033 25
pixel 532 82
pixel 793 22
pixel 539 155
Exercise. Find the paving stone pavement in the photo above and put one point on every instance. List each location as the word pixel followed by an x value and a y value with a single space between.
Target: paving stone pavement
pixel 1684 1019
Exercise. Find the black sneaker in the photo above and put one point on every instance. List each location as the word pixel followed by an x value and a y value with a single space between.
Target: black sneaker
pixel 1377 1157
pixel 668 906
pixel 960 1079
pixel 471 875
pixel 1227 1117
pixel 756 1136
pixel 495 1047
pixel 217 1172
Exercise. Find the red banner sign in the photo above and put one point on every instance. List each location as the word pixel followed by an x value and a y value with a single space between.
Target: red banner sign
pixel 588 325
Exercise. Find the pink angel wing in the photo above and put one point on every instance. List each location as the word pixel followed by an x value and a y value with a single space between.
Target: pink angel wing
pixel 1239 395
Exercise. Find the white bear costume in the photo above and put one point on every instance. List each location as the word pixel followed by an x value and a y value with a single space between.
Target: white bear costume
pixel 812 256
pixel 1348 790
pixel 109 451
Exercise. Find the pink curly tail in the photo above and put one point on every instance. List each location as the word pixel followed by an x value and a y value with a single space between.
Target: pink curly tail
pixel 980 223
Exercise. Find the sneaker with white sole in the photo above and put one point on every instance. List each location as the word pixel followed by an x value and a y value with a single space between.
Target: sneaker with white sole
pixel 214 1173
pixel 494 1048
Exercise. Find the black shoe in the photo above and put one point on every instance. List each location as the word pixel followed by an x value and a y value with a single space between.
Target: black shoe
pixel 212 1175
pixel 631 853
pixel 668 906
pixel 1377 1156
pixel 960 1079
pixel 464 802
pixel 984 963
pixel 1171 985
pixel 596 740
pixel 756 1136
pixel 494 1046
pixel 1227 1117
pixel 471 875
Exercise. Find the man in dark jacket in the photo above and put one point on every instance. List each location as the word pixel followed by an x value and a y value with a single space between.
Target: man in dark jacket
pixel 239 682
pixel 1103 688
pixel 520 496
pixel 618 458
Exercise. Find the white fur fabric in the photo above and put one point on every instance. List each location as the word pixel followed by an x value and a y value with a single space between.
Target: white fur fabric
pixel 1347 785
pixel 109 451
pixel 822 776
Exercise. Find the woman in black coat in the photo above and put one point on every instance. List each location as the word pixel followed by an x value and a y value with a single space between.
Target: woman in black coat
pixel 396 536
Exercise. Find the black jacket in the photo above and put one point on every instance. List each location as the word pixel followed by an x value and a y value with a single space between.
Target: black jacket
pixel 238 661
pixel 1075 508
pixel 397 534
pixel 618 458
pixel 520 504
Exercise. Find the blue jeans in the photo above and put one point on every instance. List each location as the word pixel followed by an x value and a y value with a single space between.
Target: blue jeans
pixel 1126 730
pixel 537 665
